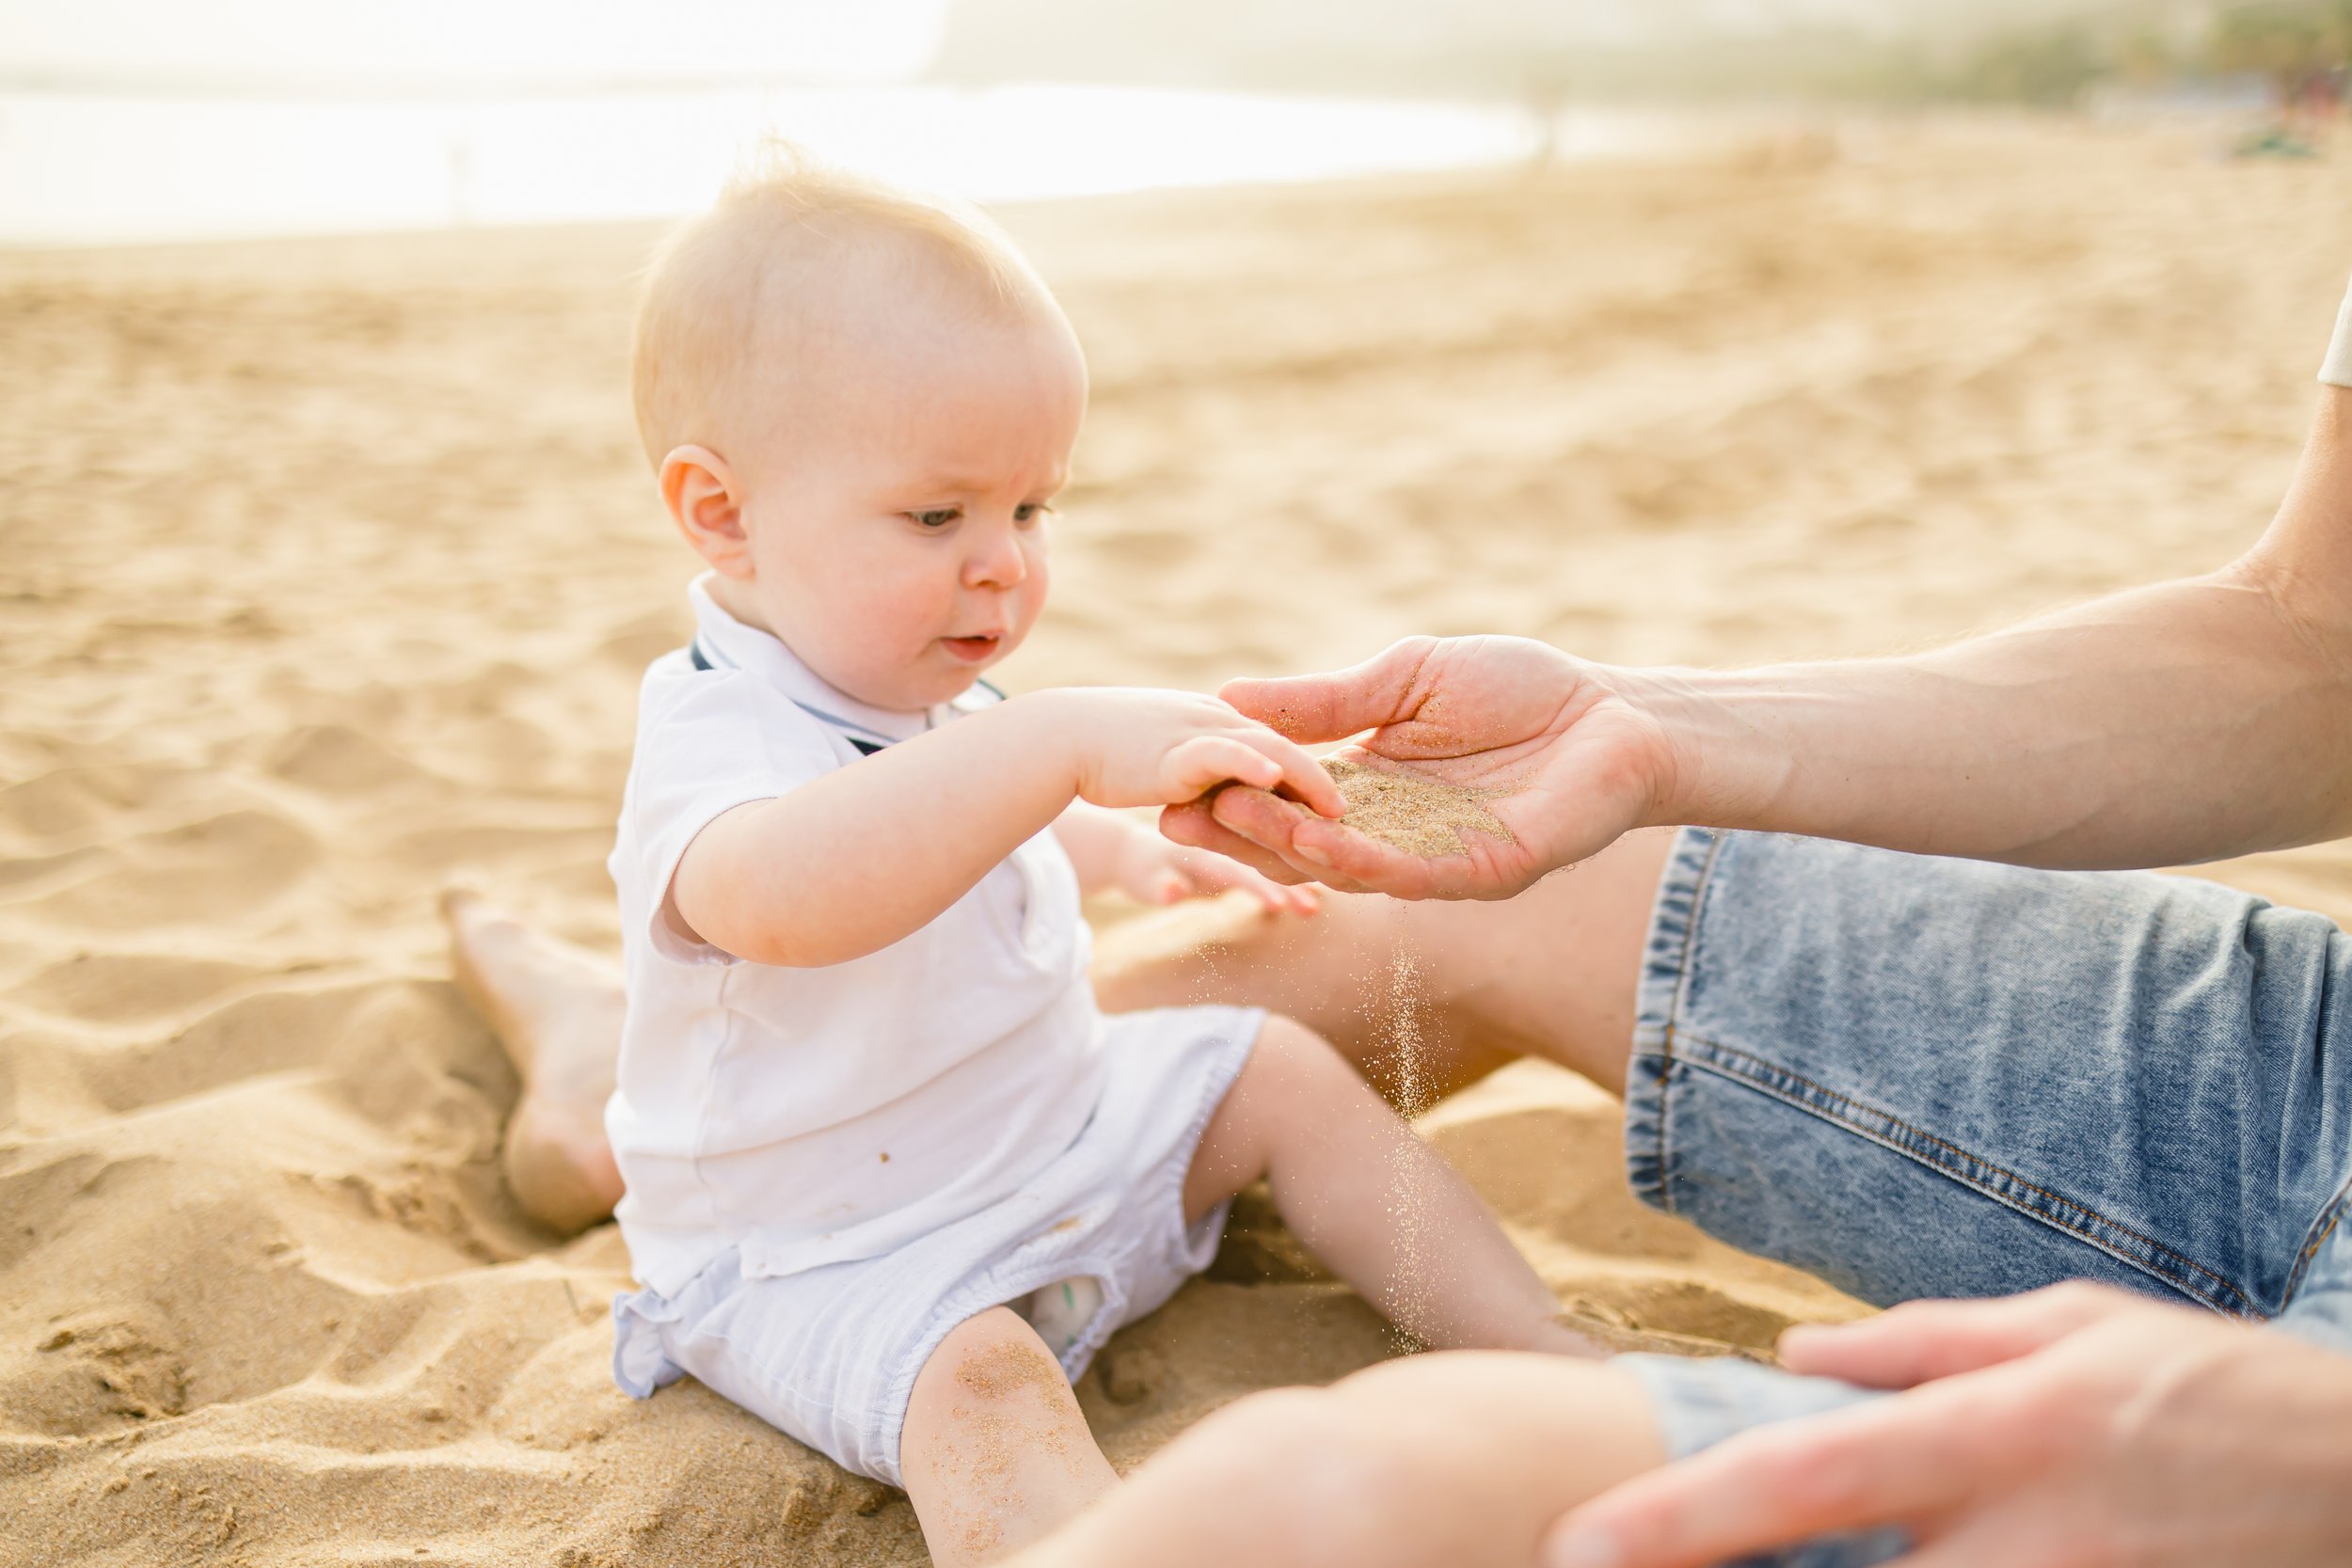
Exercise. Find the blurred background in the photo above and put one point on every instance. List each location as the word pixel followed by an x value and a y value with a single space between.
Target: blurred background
pixel 141 119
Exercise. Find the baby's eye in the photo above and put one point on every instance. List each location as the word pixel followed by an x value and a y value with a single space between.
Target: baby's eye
pixel 937 516
pixel 1029 512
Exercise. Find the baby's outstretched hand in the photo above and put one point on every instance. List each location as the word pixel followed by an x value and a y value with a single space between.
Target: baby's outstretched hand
pixel 1150 870
pixel 1137 747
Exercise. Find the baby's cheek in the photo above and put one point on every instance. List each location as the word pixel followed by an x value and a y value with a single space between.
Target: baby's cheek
pixel 1033 594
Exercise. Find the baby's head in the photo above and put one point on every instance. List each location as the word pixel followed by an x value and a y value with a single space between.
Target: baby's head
pixel 860 405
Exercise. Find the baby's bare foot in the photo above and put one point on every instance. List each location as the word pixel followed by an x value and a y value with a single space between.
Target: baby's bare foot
pixel 556 1010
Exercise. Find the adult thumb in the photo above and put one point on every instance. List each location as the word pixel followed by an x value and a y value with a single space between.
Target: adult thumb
pixel 1333 706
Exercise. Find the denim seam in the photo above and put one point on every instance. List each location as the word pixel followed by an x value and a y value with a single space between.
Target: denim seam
pixel 2330 1219
pixel 2158 1262
pixel 1699 885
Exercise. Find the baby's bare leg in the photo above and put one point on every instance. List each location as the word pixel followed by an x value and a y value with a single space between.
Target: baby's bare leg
pixel 1379 1207
pixel 1550 972
pixel 994 1450
pixel 1459 1459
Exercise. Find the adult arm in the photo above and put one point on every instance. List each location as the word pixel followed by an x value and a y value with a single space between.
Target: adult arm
pixel 2074 1425
pixel 2186 721
pixel 866 855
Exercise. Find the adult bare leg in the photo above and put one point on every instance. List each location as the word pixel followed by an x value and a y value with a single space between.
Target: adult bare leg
pixel 1551 973
pixel 1461 1458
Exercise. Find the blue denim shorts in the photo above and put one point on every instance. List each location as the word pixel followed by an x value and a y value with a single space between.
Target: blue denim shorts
pixel 1921 1077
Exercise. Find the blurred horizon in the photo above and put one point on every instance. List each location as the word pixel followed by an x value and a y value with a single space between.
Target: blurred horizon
pixel 131 120
pixel 427 48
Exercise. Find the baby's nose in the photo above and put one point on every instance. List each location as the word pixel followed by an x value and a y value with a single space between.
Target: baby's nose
pixel 998 565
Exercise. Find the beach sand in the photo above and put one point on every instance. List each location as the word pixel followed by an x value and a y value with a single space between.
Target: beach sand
pixel 327 570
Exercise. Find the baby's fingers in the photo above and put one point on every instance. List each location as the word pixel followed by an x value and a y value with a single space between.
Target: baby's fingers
pixel 1198 765
pixel 1215 873
pixel 1168 885
pixel 1309 783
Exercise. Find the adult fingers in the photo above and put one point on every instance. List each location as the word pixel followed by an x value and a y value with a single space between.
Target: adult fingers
pixel 1320 849
pixel 1998 1542
pixel 1343 852
pixel 1193 824
pixel 1888 1462
pixel 1342 703
pixel 1920 1341
pixel 1339 857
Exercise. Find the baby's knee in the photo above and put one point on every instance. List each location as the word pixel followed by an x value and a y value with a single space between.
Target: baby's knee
pixel 992 1360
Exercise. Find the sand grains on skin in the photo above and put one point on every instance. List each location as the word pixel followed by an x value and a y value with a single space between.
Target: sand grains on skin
pixel 1405 811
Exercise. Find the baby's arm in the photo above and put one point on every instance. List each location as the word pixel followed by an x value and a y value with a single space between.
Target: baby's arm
pixel 866 855
pixel 1111 850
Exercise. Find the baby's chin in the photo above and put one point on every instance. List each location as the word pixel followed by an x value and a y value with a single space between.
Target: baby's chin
pixel 939 677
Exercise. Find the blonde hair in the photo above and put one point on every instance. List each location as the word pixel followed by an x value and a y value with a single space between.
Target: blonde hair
pixel 722 285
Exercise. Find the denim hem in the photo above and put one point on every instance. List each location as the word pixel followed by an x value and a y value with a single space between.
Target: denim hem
pixel 1970 1170
pixel 1665 971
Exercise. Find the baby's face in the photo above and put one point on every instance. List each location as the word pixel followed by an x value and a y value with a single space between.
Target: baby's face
pixel 896 509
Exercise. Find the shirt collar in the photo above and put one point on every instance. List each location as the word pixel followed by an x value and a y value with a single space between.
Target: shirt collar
pixel 729 643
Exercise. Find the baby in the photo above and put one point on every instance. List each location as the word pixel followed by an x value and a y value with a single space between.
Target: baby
pixel 891 1178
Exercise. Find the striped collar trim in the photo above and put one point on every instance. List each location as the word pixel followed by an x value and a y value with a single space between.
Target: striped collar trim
pixel 723 643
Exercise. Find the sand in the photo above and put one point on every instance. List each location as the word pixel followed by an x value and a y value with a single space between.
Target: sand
pixel 1408 811
pixel 327 569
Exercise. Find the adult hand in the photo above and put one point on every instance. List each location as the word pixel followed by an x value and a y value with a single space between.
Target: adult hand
pixel 2076 1425
pixel 1566 752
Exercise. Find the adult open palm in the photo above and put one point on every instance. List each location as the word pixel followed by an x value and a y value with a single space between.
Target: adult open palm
pixel 1560 753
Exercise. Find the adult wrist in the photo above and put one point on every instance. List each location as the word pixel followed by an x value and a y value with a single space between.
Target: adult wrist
pixel 1716 767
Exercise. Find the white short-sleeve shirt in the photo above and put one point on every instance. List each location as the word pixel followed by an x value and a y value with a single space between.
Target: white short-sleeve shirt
pixel 2338 368
pixel 820 1116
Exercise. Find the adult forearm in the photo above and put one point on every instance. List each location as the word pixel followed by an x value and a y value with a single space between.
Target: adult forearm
pixel 2183 723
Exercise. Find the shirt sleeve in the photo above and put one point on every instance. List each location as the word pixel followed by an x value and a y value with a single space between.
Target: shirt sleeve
pixel 2338 371
pixel 706 744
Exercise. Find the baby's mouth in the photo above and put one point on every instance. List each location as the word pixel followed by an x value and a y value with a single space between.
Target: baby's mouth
pixel 972 649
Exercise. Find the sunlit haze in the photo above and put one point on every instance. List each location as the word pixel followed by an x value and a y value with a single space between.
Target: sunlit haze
pixel 149 120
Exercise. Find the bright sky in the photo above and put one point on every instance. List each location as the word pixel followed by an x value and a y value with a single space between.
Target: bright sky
pixel 347 43
pixel 331 46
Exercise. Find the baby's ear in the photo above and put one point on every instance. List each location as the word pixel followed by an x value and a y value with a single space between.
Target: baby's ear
pixel 699 490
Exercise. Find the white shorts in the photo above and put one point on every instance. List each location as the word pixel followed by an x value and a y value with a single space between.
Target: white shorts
pixel 829 1356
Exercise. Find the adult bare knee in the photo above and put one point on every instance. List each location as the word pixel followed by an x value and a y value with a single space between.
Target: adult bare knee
pixel 1301 1476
